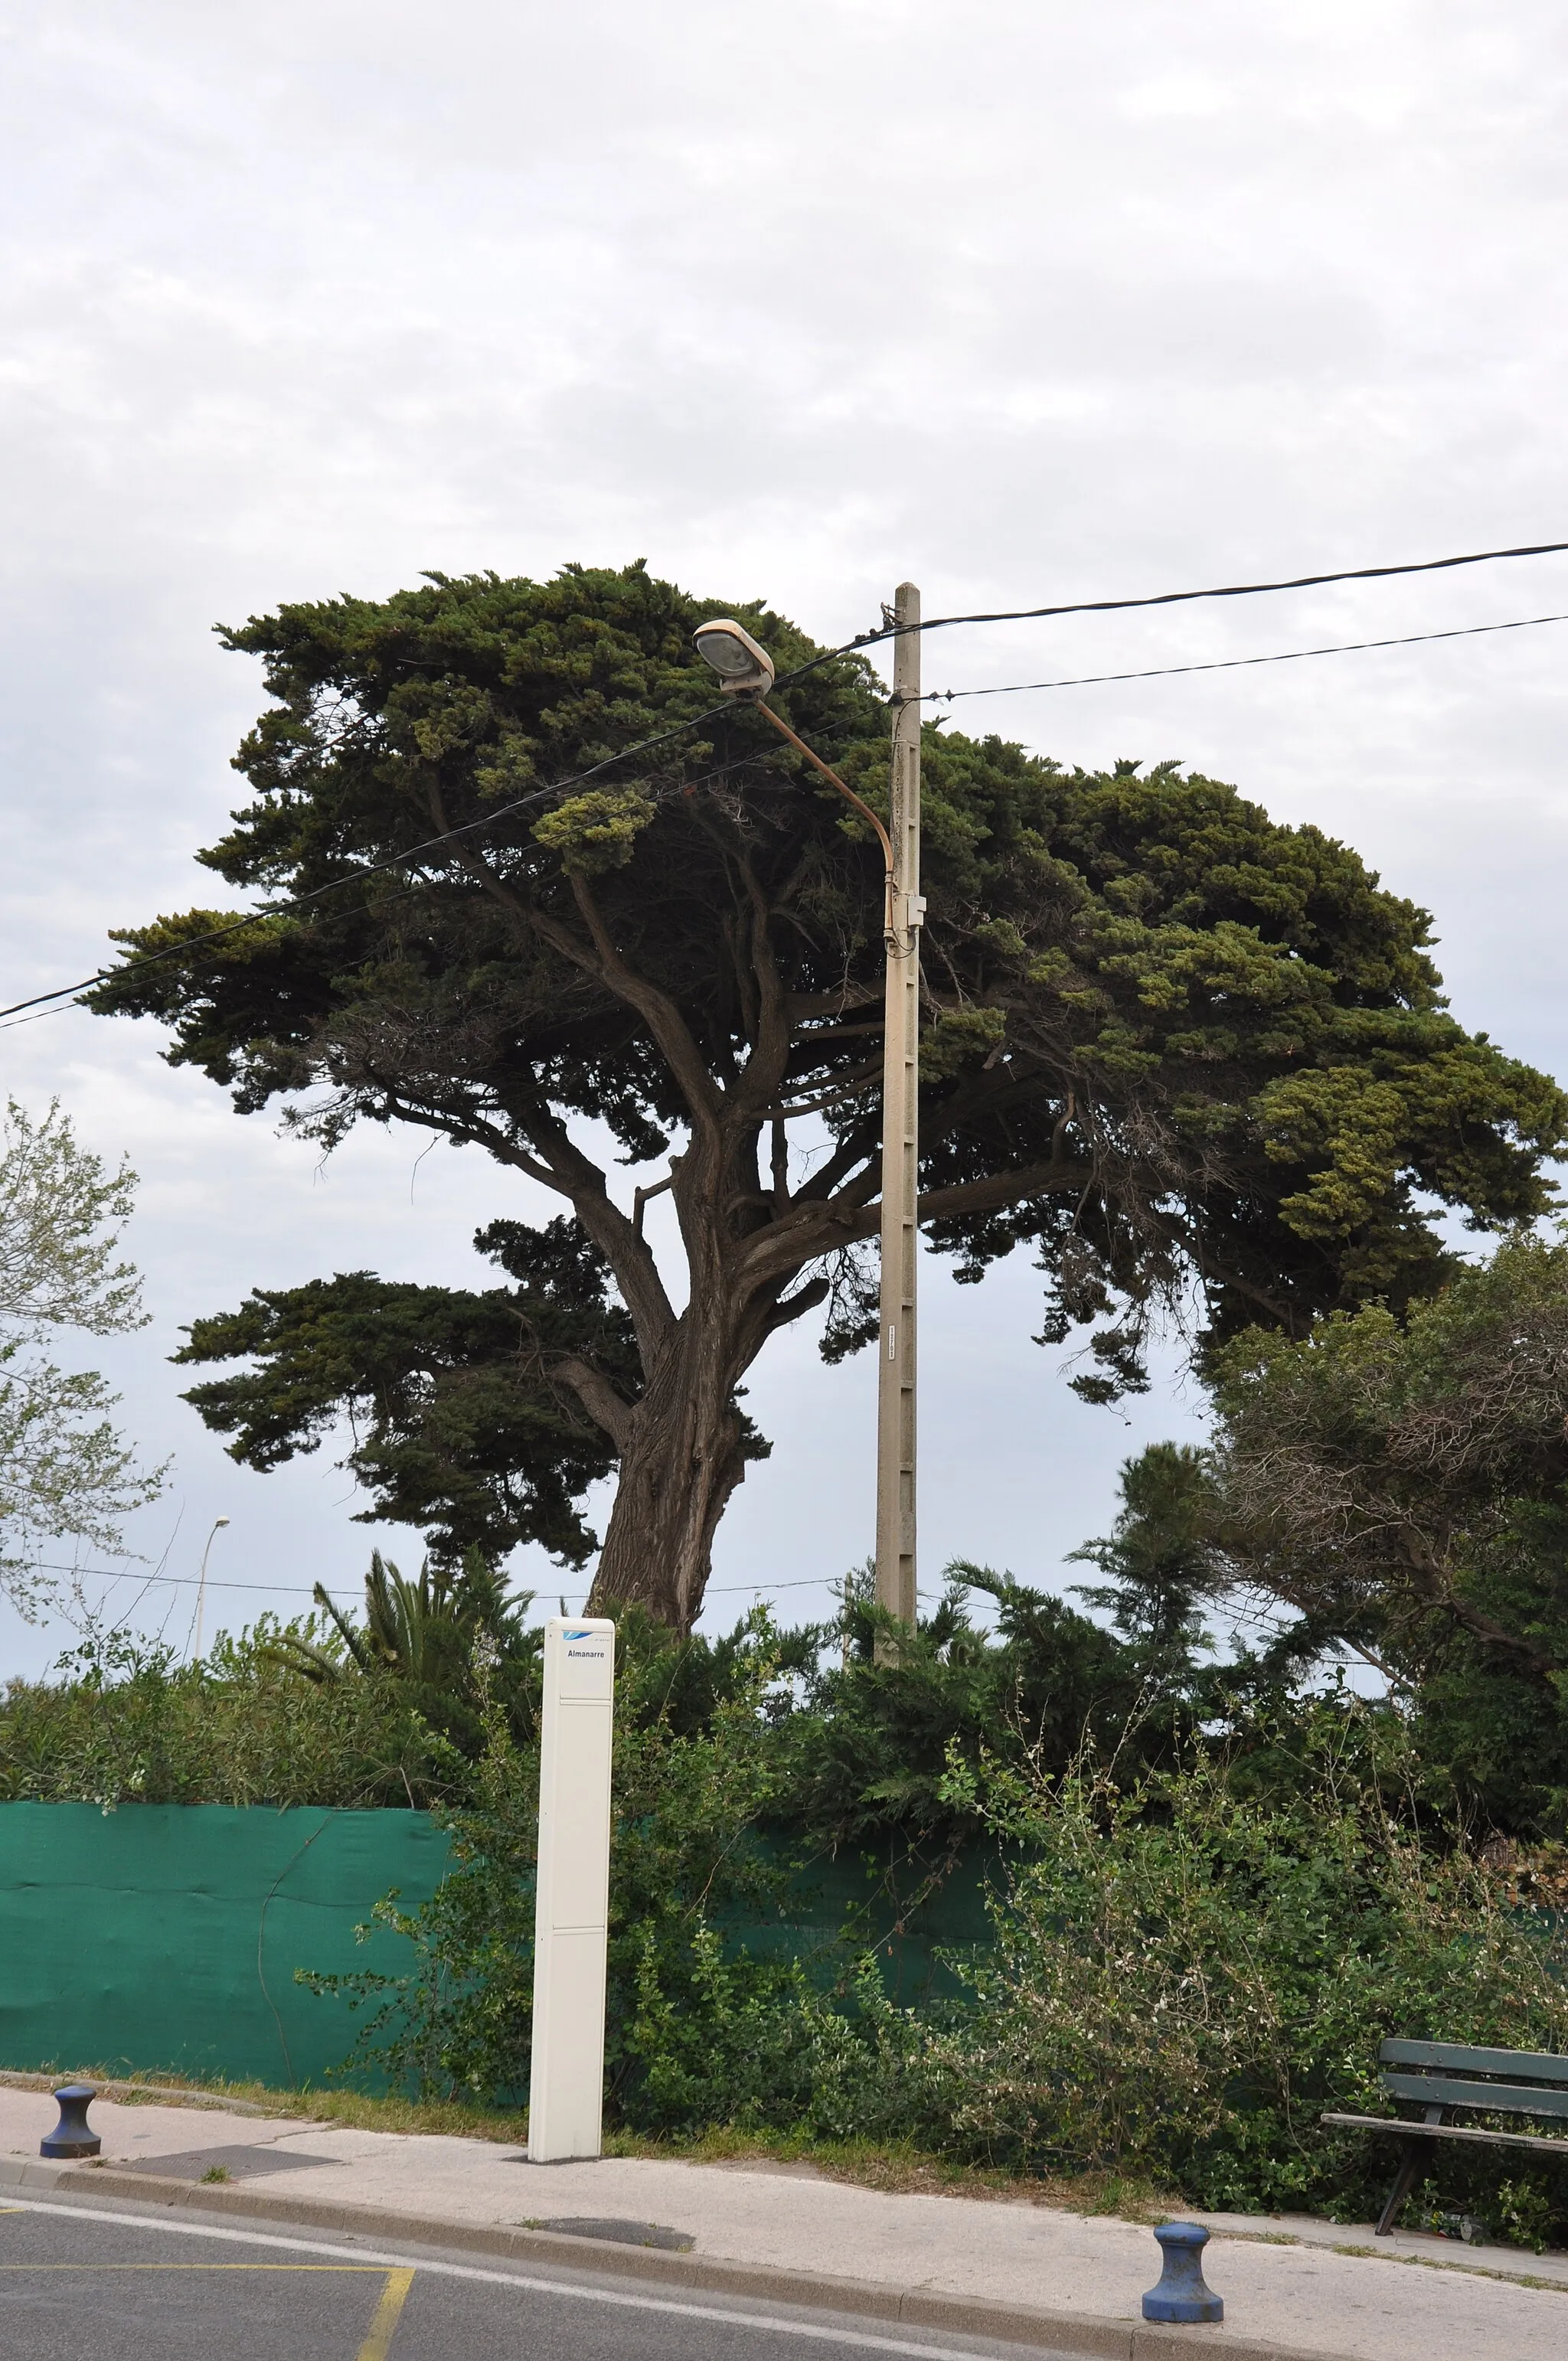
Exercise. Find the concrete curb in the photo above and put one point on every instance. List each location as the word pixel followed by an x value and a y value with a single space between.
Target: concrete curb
pixel 1098 2339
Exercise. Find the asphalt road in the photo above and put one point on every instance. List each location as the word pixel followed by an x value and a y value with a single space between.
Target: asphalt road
pixel 89 2283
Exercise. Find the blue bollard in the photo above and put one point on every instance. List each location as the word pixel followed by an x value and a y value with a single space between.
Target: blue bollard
pixel 73 2136
pixel 1183 2293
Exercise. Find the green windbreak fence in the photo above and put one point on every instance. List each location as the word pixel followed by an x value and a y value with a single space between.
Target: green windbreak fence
pixel 166 1936
pixel 917 1916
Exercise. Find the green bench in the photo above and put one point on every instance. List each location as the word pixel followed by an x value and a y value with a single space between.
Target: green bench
pixel 1438 2076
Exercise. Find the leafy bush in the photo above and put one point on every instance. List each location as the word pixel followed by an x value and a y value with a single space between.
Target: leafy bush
pixel 1186 1975
pixel 1195 1941
pixel 1184 1972
pixel 689 1803
pixel 131 1726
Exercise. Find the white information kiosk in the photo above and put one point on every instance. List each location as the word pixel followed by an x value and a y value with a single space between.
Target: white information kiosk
pixel 566 2093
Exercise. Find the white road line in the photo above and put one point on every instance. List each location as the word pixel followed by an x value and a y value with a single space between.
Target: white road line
pixel 865 2339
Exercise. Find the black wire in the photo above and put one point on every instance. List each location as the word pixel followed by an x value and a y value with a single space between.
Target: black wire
pixel 1179 598
pixel 292 1590
pixel 371 869
pixel 1233 664
pixel 861 639
pixel 236 925
pixel 178 1581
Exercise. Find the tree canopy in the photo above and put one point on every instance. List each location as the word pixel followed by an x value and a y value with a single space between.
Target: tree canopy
pixel 1402 1485
pixel 1178 1050
pixel 66 1478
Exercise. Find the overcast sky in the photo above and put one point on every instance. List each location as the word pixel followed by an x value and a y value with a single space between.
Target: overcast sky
pixel 1023 301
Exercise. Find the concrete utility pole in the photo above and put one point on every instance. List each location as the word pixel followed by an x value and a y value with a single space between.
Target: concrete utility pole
pixel 900 1137
pixel 746 670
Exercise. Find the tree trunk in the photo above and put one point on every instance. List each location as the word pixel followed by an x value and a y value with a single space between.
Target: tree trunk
pixel 685 1452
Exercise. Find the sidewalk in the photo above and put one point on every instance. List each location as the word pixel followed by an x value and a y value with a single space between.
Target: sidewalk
pixel 1009 2270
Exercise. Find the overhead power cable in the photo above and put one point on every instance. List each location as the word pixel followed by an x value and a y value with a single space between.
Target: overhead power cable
pixel 175 1581
pixel 1236 663
pixel 370 869
pixel 48 1004
pixel 53 1001
pixel 295 1590
pixel 1224 590
pixel 664 737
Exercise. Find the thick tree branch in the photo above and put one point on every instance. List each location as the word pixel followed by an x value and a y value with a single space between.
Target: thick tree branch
pixel 812 1229
pixel 852 1085
pixel 606 964
pixel 858 1149
pixel 804 1005
pixel 597 1396
pixel 769 1061
pixel 993 1194
pixel 791 1307
pixel 658 1011
pixel 559 1164
pixel 617 1236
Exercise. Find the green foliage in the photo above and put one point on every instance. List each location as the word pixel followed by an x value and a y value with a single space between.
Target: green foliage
pixel 595 832
pixel 1401 1482
pixel 457 1425
pixel 66 1475
pixel 325 1710
pixel 129 1726
pixel 1196 1942
pixel 451 1641
pixel 869 1751
pixel 688 1806
pixel 1185 1975
pixel 1158 1561
pixel 1173 1047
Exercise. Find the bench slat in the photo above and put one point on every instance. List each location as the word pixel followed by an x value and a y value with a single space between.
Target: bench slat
pixel 1499 2098
pixel 1537 2064
pixel 1447 2132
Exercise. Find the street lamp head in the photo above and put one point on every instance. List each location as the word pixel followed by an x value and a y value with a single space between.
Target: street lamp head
pixel 745 669
pixel 217 1521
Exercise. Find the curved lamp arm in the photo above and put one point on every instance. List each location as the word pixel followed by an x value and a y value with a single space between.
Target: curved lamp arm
pixel 848 793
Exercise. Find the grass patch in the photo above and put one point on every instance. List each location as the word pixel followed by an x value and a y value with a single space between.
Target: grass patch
pixel 895 2168
pixel 504 2126
pixel 903 2171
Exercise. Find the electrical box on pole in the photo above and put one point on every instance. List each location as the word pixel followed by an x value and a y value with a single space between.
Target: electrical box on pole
pixel 566 2091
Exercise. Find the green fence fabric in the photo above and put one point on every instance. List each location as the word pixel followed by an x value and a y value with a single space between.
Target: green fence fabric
pixel 913 1913
pixel 165 1937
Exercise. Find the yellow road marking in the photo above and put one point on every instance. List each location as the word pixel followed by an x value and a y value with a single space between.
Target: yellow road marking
pixel 389 2312
pixel 365 2270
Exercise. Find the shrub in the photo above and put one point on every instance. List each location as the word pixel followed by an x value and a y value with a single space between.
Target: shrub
pixel 133 1726
pixel 1184 1972
pixel 689 1802
pixel 1186 1975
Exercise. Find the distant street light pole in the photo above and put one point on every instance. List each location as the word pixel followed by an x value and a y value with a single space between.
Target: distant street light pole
pixel 218 1524
pixel 746 670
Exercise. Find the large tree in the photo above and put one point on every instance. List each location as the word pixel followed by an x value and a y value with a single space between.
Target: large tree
pixel 67 1478
pixel 1180 1050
